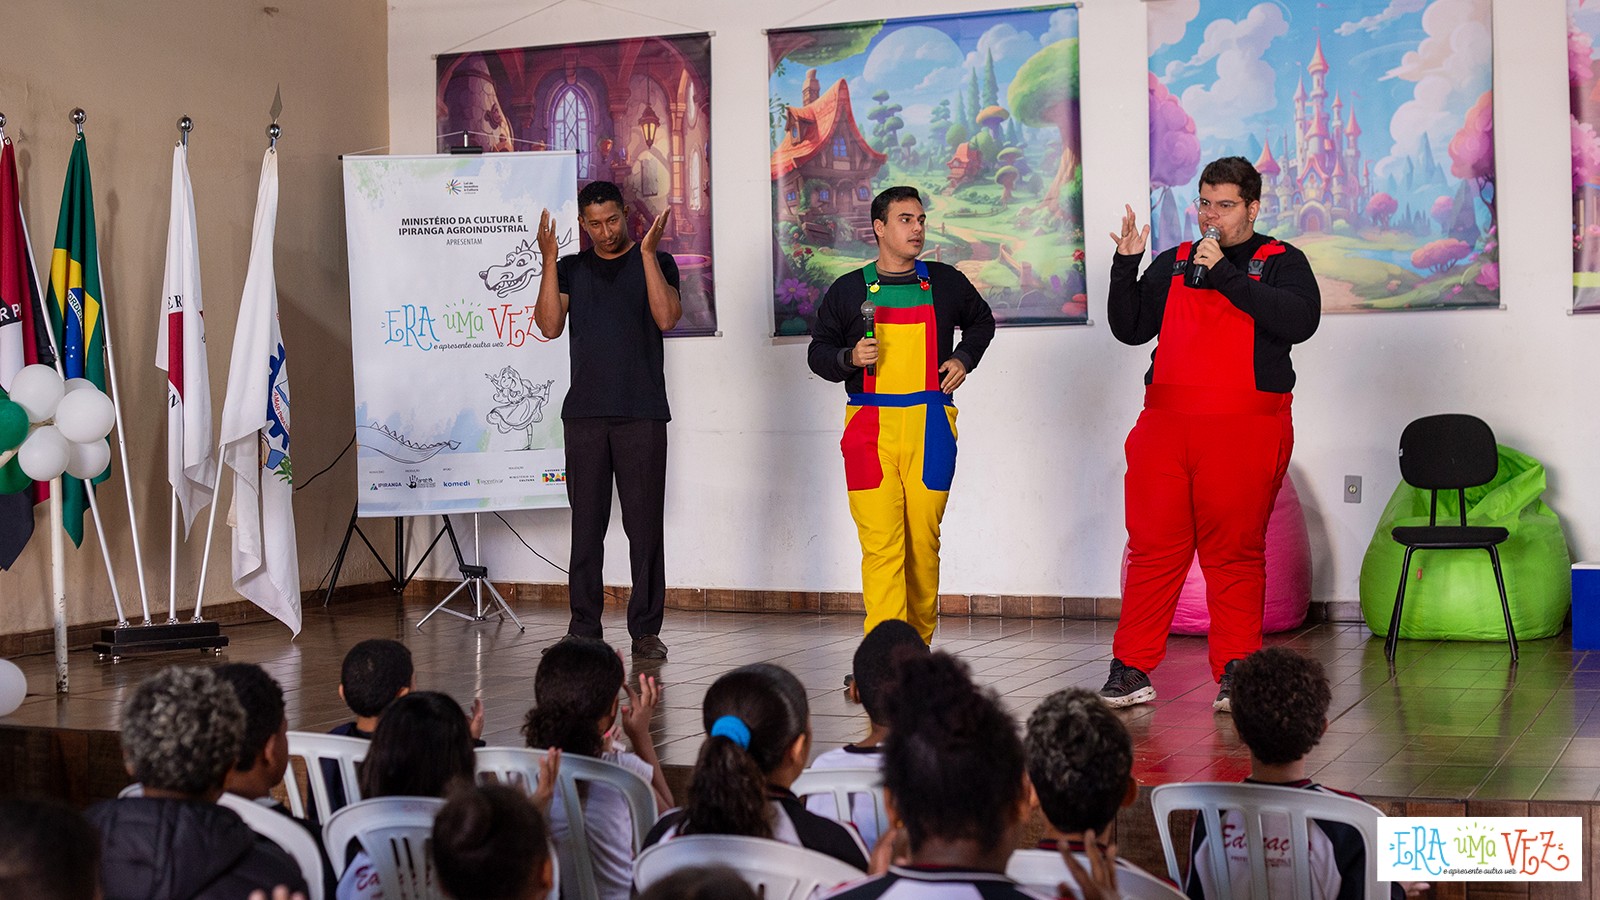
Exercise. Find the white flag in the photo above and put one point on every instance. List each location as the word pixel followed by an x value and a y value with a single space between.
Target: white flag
pixel 255 429
pixel 181 353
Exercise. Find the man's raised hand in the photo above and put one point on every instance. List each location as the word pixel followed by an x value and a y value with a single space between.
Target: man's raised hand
pixel 548 245
pixel 652 238
pixel 1131 240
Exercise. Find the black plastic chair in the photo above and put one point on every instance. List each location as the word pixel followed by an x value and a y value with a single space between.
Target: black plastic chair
pixel 1448 452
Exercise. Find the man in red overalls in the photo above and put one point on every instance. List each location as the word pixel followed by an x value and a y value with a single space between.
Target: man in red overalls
pixel 900 372
pixel 1211 447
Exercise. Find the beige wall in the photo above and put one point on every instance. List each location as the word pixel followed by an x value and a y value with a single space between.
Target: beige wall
pixel 136 67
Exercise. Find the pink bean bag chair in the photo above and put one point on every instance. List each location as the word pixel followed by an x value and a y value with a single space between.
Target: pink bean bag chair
pixel 1288 573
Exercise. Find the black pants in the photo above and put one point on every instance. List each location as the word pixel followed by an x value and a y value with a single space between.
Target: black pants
pixel 634 451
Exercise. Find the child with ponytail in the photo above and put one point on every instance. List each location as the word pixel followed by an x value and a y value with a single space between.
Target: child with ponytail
pixel 758 726
pixel 575 708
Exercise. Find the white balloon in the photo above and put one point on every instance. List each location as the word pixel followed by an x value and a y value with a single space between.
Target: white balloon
pixel 80 384
pixel 88 460
pixel 44 454
pixel 37 389
pixel 85 415
pixel 13 687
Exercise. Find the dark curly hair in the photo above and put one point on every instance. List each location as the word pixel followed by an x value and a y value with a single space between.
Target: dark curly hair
pixel 599 192
pixel 374 672
pixel 1280 704
pixel 701 883
pixel 1234 170
pixel 48 851
pixel 421 749
pixel 873 666
pixel 262 699
pixel 489 843
pixel 953 761
pixel 576 684
pixel 1079 760
pixel 728 789
pixel 889 196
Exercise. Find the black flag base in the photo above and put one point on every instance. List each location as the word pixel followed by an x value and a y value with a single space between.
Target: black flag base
pixel 126 640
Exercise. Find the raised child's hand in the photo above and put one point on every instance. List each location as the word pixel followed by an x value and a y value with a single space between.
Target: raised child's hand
pixel 640 709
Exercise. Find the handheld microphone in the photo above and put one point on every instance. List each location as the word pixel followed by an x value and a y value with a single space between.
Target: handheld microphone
pixel 868 311
pixel 1197 274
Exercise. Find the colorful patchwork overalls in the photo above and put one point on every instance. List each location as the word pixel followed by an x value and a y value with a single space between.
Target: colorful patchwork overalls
pixel 1205 461
pixel 900 456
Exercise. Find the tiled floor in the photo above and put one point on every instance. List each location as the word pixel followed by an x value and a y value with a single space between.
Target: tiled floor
pixel 1455 721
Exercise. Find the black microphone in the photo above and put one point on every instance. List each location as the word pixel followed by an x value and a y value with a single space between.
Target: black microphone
pixel 1197 273
pixel 868 311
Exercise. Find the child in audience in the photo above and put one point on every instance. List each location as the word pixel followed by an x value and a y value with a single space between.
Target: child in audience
pixel 490 843
pixel 1080 763
pixel 421 748
pixel 47 851
pixel 759 738
pixel 701 883
pixel 576 706
pixel 953 775
pixel 1280 708
pixel 871 671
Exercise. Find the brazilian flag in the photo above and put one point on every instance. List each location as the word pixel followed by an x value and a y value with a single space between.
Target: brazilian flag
pixel 75 308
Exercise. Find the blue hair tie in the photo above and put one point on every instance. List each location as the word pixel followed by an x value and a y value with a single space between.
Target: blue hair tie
pixel 734 729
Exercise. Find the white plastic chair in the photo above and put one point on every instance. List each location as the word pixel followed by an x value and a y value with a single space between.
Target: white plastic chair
pixel 1043 871
pixel 286 833
pixel 773 869
pixel 313 747
pixel 845 785
pixel 1252 802
pixel 396 833
pixel 514 765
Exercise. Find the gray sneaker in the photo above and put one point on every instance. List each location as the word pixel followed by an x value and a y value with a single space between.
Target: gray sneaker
pixel 1126 686
pixel 1224 701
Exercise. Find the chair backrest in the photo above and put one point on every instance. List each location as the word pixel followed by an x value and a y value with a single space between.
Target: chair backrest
pixel 773 869
pixel 1448 452
pixel 1043 871
pixel 1300 808
pixel 845 784
pixel 397 834
pixel 343 753
pixel 516 765
pixel 286 833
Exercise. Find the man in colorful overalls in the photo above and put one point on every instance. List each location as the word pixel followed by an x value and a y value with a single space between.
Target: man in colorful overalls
pixel 1211 447
pixel 886 332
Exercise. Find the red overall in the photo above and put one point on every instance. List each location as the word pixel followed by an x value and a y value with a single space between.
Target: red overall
pixel 1205 461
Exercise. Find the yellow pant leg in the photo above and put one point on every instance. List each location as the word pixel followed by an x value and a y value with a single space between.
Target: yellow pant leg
pixel 880 515
pixel 924 511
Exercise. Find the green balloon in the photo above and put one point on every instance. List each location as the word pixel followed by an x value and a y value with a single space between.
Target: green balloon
pixel 13 479
pixel 13 425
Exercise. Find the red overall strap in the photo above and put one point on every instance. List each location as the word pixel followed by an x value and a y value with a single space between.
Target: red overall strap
pixel 1206 340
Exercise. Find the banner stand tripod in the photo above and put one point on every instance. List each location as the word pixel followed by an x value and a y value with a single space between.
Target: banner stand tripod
pixel 473 577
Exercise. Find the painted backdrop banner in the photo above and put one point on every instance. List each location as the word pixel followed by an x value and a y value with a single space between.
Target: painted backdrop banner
pixel 637 112
pixel 1583 72
pixel 978 112
pixel 1372 124
pixel 458 397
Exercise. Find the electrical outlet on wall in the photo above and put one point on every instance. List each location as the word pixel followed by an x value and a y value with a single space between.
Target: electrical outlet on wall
pixel 1352 489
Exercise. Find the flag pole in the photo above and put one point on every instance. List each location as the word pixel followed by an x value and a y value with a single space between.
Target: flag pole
pixel 58 582
pixel 172 560
pixel 55 351
pixel 211 529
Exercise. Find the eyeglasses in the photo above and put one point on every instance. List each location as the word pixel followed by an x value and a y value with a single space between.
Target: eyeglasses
pixel 1222 206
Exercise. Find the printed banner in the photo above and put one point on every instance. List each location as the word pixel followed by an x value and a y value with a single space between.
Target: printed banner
pixel 637 112
pixel 1506 849
pixel 1583 28
pixel 978 112
pixel 458 396
pixel 1371 122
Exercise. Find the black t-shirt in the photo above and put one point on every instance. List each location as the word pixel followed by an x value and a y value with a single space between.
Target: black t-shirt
pixel 614 342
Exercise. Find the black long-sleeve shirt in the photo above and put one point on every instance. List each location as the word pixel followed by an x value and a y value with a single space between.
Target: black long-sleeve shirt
pixel 956 304
pixel 1285 304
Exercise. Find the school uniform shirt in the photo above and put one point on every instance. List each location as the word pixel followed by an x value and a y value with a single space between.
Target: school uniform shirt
pixel 935 883
pixel 863 811
pixel 792 824
pixel 608 825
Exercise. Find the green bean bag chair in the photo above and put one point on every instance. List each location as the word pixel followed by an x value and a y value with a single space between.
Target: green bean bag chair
pixel 1451 594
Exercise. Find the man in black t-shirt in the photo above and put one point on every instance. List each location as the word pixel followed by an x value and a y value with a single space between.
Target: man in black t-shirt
pixel 621 296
